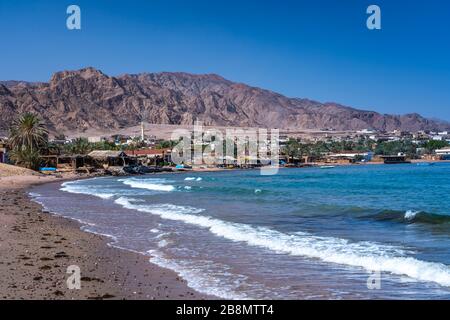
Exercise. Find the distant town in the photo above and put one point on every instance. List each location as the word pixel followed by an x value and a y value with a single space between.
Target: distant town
pixel 142 152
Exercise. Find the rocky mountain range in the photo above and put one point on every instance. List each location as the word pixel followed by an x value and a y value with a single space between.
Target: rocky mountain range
pixel 74 101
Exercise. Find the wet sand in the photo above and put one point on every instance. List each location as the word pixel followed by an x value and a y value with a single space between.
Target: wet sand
pixel 36 248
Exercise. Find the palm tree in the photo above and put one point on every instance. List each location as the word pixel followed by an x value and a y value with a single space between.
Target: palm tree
pixel 28 132
pixel 166 144
pixel 26 158
pixel 28 136
pixel 291 149
pixel 80 146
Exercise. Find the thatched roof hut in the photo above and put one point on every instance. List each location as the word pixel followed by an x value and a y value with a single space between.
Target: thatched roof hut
pixel 109 157
pixel 106 154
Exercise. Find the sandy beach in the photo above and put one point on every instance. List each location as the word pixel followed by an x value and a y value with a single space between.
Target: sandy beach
pixel 36 248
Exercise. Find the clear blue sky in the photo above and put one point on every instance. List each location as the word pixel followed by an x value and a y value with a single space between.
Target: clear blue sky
pixel 318 49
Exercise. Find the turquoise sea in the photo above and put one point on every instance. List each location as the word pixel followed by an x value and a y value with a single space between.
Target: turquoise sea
pixel 305 233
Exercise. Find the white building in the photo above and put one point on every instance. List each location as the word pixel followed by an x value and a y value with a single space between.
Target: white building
pixel 366 156
pixel 443 152
pixel 96 139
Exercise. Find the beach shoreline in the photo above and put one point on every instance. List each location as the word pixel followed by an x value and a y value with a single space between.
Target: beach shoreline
pixel 37 247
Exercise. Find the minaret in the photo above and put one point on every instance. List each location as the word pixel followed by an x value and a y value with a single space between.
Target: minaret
pixel 142 131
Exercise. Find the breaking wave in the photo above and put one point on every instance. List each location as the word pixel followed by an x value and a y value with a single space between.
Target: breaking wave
pixel 149 184
pixel 368 255
pixel 411 216
pixel 74 187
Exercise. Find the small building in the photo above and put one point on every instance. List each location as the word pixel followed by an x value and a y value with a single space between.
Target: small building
pixel 120 139
pixel 95 139
pixel 350 156
pixel 109 158
pixel 443 154
pixel 152 156
pixel 65 162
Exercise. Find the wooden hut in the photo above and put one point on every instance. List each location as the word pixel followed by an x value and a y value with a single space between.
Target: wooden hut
pixel 109 158
pixel 64 162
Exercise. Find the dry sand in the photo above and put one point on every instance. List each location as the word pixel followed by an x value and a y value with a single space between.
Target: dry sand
pixel 36 248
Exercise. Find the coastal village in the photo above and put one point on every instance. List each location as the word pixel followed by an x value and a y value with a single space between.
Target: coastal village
pixel 143 152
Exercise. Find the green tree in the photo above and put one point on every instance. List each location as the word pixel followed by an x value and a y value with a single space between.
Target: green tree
pixel 51 148
pixel 431 145
pixel 291 149
pixel 28 136
pixel 28 132
pixel 24 157
pixel 165 144
pixel 394 147
pixel 104 145
pixel 318 149
pixel 79 146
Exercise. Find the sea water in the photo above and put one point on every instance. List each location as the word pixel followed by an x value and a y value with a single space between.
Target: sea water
pixel 301 234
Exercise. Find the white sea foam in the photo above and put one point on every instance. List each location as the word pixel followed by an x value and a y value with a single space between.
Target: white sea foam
pixel 107 235
pixel 104 195
pixel 36 197
pixel 409 215
pixel 200 279
pixel 34 194
pixel 368 255
pixel 74 187
pixel 163 243
pixel 161 235
pixel 193 179
pixel 149 184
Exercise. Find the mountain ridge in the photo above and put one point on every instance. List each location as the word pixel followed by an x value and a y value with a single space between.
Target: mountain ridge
pixel 79 100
